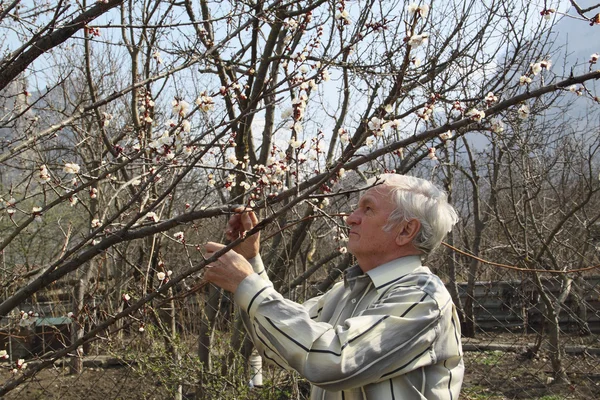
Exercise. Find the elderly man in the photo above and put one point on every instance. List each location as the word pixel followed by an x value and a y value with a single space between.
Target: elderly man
pixel 389 330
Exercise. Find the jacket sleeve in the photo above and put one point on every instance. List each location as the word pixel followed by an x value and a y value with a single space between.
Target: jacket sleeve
pixel 391 337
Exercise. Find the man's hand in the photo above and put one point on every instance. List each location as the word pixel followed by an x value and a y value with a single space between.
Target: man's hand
pixel 229 270
pixel 238 225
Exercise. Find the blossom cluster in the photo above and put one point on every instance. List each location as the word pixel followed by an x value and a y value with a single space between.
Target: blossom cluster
pixel 534 69
pixel 10 206
pixel 547 13
pixel 429 108
pixel 71 168
pixel 206 102
pixel 420 10
pixel 156 56
pixel 42 175
pixel 343 16
pixel 146 106
pixel 418 40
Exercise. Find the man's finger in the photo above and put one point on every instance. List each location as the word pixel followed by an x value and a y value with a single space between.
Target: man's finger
pixel 213 247
pixel 253 217
pixel 247 221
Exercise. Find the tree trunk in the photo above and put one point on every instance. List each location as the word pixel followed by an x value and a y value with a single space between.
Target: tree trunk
pixel 209 316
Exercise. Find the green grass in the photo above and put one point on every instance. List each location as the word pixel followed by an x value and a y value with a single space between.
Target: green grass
pixel 489 358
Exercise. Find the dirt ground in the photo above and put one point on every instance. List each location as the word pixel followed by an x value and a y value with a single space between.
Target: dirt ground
pixel 93 384
pixel 490 375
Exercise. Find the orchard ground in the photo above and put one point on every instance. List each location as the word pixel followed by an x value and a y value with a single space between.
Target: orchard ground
pixel 490 375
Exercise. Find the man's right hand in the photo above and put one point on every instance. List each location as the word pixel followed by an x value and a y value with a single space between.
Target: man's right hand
pixel 239 223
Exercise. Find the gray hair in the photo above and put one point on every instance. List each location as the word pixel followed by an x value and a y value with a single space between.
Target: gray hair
pixel 419 199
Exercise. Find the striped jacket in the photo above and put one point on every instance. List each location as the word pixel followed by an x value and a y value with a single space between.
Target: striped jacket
pixel 392 333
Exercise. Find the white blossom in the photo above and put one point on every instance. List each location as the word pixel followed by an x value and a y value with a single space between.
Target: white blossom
pixel 295 143
pixel 232 159
pixel 96 223
pixel 205 102
pixel 106 117
pixel 393 124
pixel 546 64
pixel 151 216
pixel 211 180
pixel 43 176
pixel 447 135
pixel 422 10
pixel 537 67
pixel 524 79
pixel 594 58
pixel 126 297
pixel 288 112
pixel 71 168
pixel 180 107
pixel 418 40
pixel 245 185
pixel 497 125
pixel 37 213
pixel 297 127
pixel 160 276
pixel 178 236
pixel 547 13
pixel 491 98
pixel 476 115
pixel 186 126
pixel 344 17
pixel 10 205
pixel 375 124
pixel 523 111
pixel 290 23
pixel 431 154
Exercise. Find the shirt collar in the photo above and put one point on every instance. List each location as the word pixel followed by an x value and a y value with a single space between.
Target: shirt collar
pixel 390 272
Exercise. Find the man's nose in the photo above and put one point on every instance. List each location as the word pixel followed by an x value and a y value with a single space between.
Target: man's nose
pixel 352 219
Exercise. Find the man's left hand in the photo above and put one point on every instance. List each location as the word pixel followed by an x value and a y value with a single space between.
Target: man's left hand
pixel 229 270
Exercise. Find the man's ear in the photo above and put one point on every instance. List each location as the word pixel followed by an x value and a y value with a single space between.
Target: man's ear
pixel 407 231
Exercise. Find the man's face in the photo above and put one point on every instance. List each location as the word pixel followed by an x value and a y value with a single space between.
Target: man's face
pixel 367 238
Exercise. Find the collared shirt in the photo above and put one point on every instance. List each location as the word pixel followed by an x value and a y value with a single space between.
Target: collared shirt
pixel 392 333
